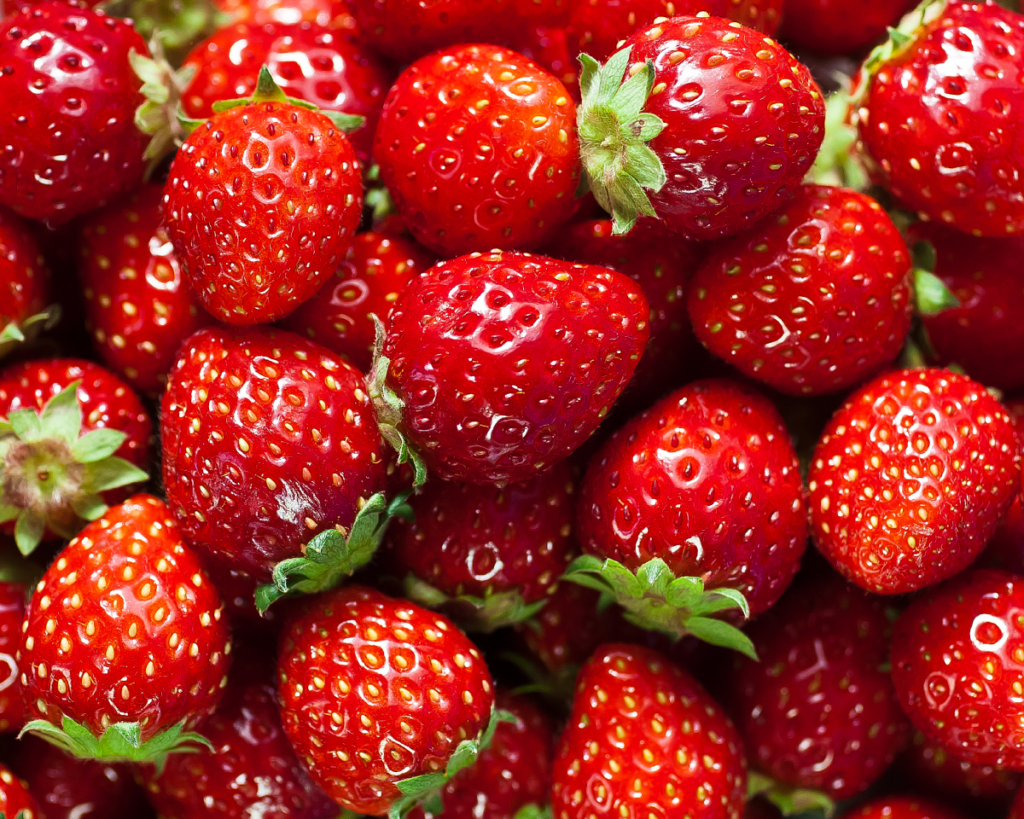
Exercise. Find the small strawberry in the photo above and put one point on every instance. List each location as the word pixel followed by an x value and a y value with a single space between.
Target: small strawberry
pixel 24 284
pixel 15 800
pixel 12 614
pixel 902 807
pixel 124 647
pixel 910 478
pixel 835 27
pixel 407 29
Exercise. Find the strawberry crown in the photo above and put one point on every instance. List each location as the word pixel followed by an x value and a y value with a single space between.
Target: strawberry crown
pixel 17 334
pixel 481 614
pixel 790 801
pixel 23 814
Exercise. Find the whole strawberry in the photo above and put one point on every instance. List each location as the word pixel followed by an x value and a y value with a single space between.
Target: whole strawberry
pixel 910 478
pixel 261 204
pixel 643 736
pixel 382 700
pixel 477 147
pixel 902 807
pixel 24 283
pixel 15 800
pixel 124 647
pixel 812 299
pixel 68 139
pixel 836 27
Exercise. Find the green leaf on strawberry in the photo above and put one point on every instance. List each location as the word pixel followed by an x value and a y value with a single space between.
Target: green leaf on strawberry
pixel 930 292
pixel 534 812
pixel 790 801
pixel 482 614
pixel 19 333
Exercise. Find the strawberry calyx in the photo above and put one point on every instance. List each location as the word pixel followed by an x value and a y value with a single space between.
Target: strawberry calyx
pixel 837 164
pixel 790 801
pixel 655 599
pixel 533 812
pixel 161 114
pixel 482 614
pixel 53 474
pixel 334 554
pixel 931 296
pixel 614 130
pixel 177 24
pixel 19 333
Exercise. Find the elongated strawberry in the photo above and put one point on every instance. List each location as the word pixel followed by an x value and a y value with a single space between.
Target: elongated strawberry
pixel 15 800
pixel 24 284
pixel 840 26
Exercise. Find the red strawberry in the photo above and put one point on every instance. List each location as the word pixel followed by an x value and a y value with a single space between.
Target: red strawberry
pixel 840 26
pixel 15 800
pixel 733 123
pixel 138 304
pixel 369 280
pixel 407 29
pixel 477 147
pixel 490 362
pixel 957 657
pixel 12 613
pixel 58 445
pixel 811 300
pixel 936 116
pixel 333 14
pixel 376 692
pixel 124 632
pixel 644 739
pixel 910 478
pixel 261 204
pixel 902 807
pixel 67 129
pixel 23 284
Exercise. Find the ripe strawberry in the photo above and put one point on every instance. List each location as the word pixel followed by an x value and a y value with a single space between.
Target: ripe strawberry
pixel 836 27
pixel 261 204
pixel 644 739
pixel 424 703
pixel 61 422
pixel 490 362
pixel 124 632
pixel 68 139
pixel 15 800
pixel 813 299
pixel 334 14
pixel 23 284
pixel 956 661
pixel 464 180
pixel 935 116
pixel 734 123
pixel 902 807
pixel 138 305
pixel 369 280
pixel 406 30
pixel 12 613
pixel 910 478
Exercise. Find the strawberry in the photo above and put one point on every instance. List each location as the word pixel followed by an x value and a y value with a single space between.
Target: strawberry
pixel 424 707
pixel 406 30
pixel 138 305
pixel 714 127
pixel 488 368
pixel 813 299
pixel 261 204
pixel 369 280
pixel 72 437
pixel 24 284
pixel 934 116
pixel 124 647
pixel 67 130
pixel 956 661
pixel 477 147
pixel 644 739
pixel 834 27
pixel 910 478
pixel 15 800
pixel 12 613
pixel 902 807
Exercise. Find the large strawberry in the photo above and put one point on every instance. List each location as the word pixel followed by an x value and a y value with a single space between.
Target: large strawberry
pixel 24 284
pixel 124 647
pixel 714 125
pixel 840 26
pixel 15 800
pixel 812 299
pixel 910 478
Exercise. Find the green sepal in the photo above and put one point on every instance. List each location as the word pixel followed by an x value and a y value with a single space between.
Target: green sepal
pixel 533 812
pixel 480 614
pixel 17 334
pixel 790 801
pixel 28 531
pixel 654 598
pixel 112 473
pixel 160 116
pixel 62 416
pixel 22 814
pixel 837 163
pixel 97 445
pixel 931 296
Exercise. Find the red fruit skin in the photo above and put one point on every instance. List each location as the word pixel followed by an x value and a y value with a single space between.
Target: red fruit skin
pixel 1005 549
pixel 423 687
pixel 903 807
pixel 521 335
pixel 68 141
pixel 261 204
pixel 731 154
pixel 463 182
pixel 958 83
pixel 156 612
pixel 956 656
pixel 268 439
pixel 407 29
pixel 139 307
pixel 910 478
pixel 334 14
pixel 835 27
pixel 308 62
pixel 12 614
pixel 23 273
pixel 811 300
pixel 631 704
pixel 14 796
pixel 548 46
pixel 369 280
pixel 708 481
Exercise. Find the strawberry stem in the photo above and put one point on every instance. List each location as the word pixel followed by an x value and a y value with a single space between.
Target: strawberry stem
pixel 17 334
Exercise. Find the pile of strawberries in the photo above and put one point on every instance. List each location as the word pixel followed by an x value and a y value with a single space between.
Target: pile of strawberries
pixel 422 409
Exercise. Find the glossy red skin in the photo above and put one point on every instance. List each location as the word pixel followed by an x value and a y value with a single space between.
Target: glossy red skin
pixel 632 704
pixel 408 29
pixel 369 280
pixel 985 334
pixel 422 688
pixel 308 62
pixel 69 145
pixel 569 628
pixel 268 440
pixel 1005 549
pixel 139 307
pixel 818 711
pixel 333 14
pixel 959 84
pixel 708 481
pixel 811 300
pixel 943 450
pixel 835 27
pixel 23 273
pixel 548 46
pixel 12 613
pixel 261 204
pixel 173 670
pixel 903 807
pixel 522 335
pixel 729 133
pixel 14 797
pixel 464 182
